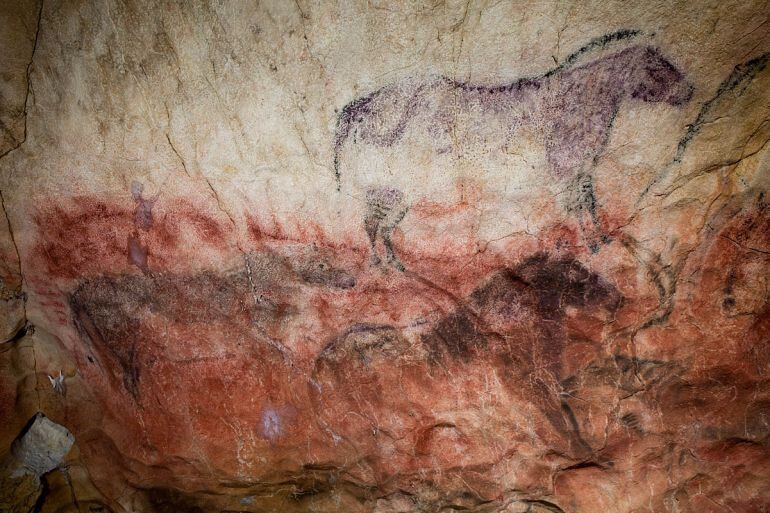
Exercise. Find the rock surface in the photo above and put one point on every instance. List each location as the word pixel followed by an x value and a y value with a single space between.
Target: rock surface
pixel 388 256
pixel 37 451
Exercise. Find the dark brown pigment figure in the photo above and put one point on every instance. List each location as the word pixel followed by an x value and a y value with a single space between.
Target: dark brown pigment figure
pixel 571 107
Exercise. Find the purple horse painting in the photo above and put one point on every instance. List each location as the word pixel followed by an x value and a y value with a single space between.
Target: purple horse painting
pixel 572 106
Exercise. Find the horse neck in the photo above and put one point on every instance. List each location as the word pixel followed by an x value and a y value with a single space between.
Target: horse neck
pixel 621 68
pixel 610 73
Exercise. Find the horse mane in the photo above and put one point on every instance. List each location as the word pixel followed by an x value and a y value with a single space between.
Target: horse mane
pixel 596 44
pixel 346 117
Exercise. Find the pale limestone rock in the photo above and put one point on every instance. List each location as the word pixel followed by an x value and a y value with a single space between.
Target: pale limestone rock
pixel 38 450
pixel 42 447
pixel 390 256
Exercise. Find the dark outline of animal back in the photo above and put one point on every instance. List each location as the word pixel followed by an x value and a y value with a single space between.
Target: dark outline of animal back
pixel 358 110
pixel 572 107
pixel 358 107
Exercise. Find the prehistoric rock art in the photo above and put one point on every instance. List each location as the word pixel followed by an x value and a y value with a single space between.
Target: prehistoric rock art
pixel 513 322
pixel 572 107
pixel 456 292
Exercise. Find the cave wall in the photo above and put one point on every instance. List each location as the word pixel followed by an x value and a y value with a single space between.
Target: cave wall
pixel 385 256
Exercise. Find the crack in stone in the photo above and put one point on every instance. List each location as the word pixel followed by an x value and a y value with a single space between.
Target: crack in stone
pixel 206 180
pixel 29 83
pixel 18 261
pixel 684 180
pixel 302 18
pixel 37 382
pixel 744 247
pixel 176 152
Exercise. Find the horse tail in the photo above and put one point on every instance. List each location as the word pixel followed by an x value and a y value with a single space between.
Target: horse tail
pixel 351 113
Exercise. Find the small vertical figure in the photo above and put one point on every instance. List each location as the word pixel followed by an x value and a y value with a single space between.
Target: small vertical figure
pixel 143 212
pixel 271 428
pixel 385 208
pixel 143 220
pixel 137 252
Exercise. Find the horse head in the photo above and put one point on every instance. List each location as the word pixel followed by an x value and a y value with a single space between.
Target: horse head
pixel 566 282
pixel 654 79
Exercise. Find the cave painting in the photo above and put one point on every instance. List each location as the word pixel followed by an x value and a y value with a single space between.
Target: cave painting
pixel 122 318
pixel 513 321
pixel 571 108
pixel 118 317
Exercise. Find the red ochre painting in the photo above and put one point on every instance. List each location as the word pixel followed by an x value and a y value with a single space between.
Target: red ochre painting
pixel 261 274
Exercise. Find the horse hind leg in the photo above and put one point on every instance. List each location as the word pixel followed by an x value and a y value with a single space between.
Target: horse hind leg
pixel 385 210
pixel 372 227
pixel 387 232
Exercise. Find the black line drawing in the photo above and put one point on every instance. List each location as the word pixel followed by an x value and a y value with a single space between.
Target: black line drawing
pixel 572 107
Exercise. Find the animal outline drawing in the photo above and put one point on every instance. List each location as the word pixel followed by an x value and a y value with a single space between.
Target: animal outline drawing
pixel 515 318
pixel 572 107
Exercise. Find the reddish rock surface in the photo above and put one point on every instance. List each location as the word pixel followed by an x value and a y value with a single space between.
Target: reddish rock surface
pixel 581 324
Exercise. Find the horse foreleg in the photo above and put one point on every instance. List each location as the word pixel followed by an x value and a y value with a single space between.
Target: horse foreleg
pixel 382 203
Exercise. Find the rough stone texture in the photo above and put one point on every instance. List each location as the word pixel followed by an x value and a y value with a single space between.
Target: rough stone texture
pixel 37 451
pixel 42 446
pixel 389 256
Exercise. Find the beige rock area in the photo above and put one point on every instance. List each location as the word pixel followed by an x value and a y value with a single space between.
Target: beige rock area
pixel 385 256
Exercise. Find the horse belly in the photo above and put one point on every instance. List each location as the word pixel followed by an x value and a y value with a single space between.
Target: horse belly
pixel 419 165
pixel 452 141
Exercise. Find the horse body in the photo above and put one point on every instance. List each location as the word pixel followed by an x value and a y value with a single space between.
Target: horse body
pixel 384 138
pixel 440 114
